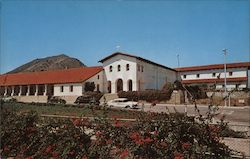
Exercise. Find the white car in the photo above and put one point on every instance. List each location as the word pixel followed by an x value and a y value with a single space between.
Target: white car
pixel 123 103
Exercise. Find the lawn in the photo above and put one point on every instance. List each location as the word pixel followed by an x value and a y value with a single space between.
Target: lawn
pixel 67 110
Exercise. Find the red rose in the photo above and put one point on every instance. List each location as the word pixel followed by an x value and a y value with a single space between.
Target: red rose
pixel 148 140
pixel 178 155
pixel 186 145
pixel 124 154
pixel 77 122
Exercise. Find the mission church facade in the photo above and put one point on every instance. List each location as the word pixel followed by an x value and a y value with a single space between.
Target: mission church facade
pixel 119 72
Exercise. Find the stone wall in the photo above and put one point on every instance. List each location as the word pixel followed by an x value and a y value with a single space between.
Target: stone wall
pixel 29 99
pixel 177 97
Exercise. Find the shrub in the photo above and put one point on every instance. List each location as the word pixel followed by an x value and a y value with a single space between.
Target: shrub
pixel 152 136
pixel 148 95
pixel 89 87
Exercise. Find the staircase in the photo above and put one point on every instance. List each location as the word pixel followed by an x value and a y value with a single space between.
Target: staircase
pixel 108 97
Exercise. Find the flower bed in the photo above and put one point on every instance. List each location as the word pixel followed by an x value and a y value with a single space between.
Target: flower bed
pixel 151 136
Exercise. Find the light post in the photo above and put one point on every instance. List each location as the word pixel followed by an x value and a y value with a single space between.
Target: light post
pixel 225 72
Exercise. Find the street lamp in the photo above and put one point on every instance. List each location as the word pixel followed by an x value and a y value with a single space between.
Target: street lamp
pixel 225 72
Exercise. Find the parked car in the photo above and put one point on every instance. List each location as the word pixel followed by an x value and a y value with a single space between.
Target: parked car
pixel 86 99
pixel 56 100
pixel 123 103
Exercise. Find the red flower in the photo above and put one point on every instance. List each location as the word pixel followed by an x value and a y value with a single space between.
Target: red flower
pixel 6 148
pixel 134 135
pixel 186 145
pixel 178 155
pixel 77 122
pixel 148 140
pixel 98 134
pixel 109 141
pixel 139 142
pixel 117 123
pixel 124 154
pixel 84 157
pixel 49 149
pixel 55 154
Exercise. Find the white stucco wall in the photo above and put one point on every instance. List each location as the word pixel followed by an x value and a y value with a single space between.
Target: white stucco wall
pixel 123 74
pixel 152 77
pixel 77 89
pixel 208 74
pixel 98 81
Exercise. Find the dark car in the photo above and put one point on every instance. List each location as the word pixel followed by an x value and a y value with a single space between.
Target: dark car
pixel 56 100
pixel 86 99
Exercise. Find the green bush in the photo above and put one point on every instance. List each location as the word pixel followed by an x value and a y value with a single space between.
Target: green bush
pixel 152 135
pixel 148 95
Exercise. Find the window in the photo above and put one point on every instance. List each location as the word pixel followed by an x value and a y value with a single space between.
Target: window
pixel 230 73
pixel 141 68
pixel 119 68
pixel 98 77
pixel 110 68
pixel 198 75
pixel 184 76
pixel 214 74
pixel 71 88
pixel 97 87
pixel 127 67
pixel 138 68
pixel 61 88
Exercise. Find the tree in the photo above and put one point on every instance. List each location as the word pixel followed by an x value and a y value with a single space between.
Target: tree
pixel 89 87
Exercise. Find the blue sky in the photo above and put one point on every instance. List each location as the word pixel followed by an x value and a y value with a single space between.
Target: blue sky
pixel 156 30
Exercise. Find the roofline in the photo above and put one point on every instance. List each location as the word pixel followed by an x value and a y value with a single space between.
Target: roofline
pixel 221 80
pixel 137 57
pixel 6 75
pixel 213 66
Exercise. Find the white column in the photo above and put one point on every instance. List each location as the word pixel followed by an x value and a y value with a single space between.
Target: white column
pixel 20 91
pixel 12 90
pixel 113 87
pixel 28 90
pixel 45 90
pixel 36 91
pixel 5 90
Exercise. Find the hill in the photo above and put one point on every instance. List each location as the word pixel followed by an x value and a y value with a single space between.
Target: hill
pixel 49 63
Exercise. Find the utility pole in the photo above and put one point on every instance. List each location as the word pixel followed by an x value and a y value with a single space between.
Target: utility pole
pixel 178 60
pixel 225 72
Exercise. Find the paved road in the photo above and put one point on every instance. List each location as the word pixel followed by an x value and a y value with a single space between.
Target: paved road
pixel 239 115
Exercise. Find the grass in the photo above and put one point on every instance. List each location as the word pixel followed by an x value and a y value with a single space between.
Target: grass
pixel 66 110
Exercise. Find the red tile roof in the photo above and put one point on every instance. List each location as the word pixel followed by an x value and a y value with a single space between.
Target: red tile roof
pixel 74 75
pixel 137 57
pixel 215 66
pixel 221 80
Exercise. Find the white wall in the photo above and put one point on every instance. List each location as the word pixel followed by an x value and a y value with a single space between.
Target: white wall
pixel 123 74
pixel 77 89
pixel 207 74
pixel 154 77
pixel 98 81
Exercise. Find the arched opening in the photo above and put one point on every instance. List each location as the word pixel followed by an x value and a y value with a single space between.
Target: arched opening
pixel 109 86
pixel 130 85
pixel 119 85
